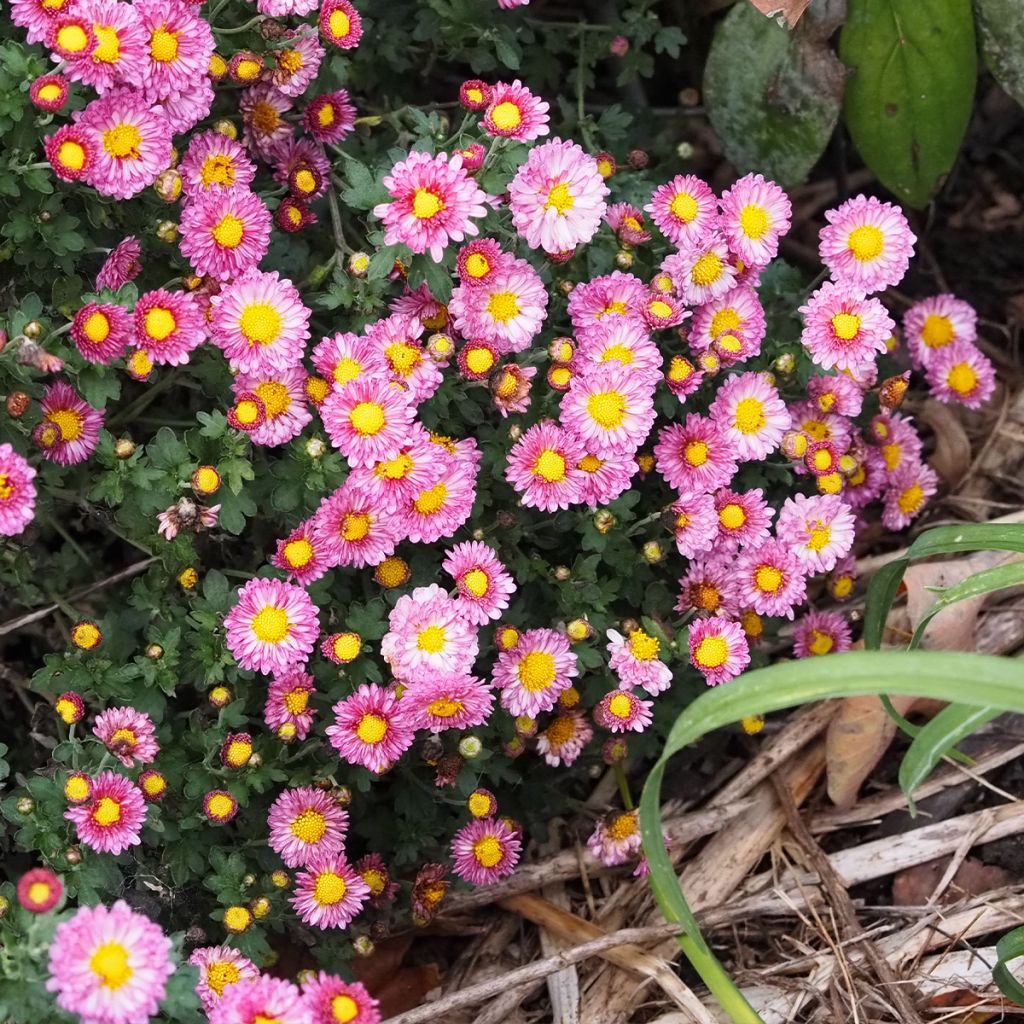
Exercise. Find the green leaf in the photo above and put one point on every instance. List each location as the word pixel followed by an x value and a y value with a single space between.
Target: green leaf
pixel 773 98
pixel 911 91
pixel 1009 947
pixel 1000 26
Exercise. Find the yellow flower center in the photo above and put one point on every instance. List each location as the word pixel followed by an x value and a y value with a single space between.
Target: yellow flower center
pixel 376 880
pixel 296 701
pixel 560 199
pixel 431 500
pixel 961 378
pixel 107 812
pixel 684 207
pixel 426 204
pixel 560 731
pixel 624 826
pixel 749 416
pixel 218 169
pixel 589 464
pixel 372 728
pixel 305 181
pixel 866 242
pixel 768 579
pixel 937 331
pixel 821 643
pixel 476 582
pixel 39 892
pixel 480 360
pixel 550 465
pixel 347 370
pixel 614 308
pixel 403 357
pixel 110 964
pixel 238 919
pixel 70 423
pixel 911 499
pixel 123 141
pixel 507 116
pixel 123 736
pixel 220 806
pixel 96 327
pixel 71 155
pixel 298 553
pixel 265 119
pixel 221 974
pixel 271 625
pixel 432 639
pixel 679 369
pixel 329 889
pixel 620 706
pixel 479 804
pixel 309 827
pixel 160 323
pixel 229 231
pixel 707 270
pixel 85 635
pixel 536 670
pixel 247 70
pixel 477 265
pixel 344 1009
pixel 367 418
pixel 290 61
pixel 77 788
pixel 711 652
pixel 607 409
pixel 163 45
pixel 72 38
pixel 154 785
pixel 727 319
pixel 444 707
pixel 325 115
pixel 247 412
pixel 732 516
pixel 508 385
pixel 696 453
pixel 339 23
pixel 755 222
pixel 821 537
pixel 842 586
pixel 659 309
pixel 503 306
pixel 618 354
pixel 274 396
pixel 643 646
pixel 488 851
pixel 51 91
pixel 355 526
pixel 846 326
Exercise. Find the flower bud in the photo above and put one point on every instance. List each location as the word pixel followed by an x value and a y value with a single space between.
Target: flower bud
pixel 566 287
pixel 342 795
pixel 623 259
pixel 154 652
pixel 470 747
pixel 358 264
pixel 188 578
pixel 577 630
pixel 604 521
pixel 653 552
pixel 260 907
pixel 33 330
pixel 619 46
pixel 315 448
pixel 17 404
pixel 25 805
pixel 563 573
pixel 890 394
pixel 5 905
pixel 515 431
pixel 784 364
pixel 249 881
pixel 280 879
pixel 363 946
pixel 124 448
pixel 752 724
pixel 638 159
pixel 168 185
pixel 167 231
pixel 225 127
pixel 220 697
pixel 685 150
pixel 630 626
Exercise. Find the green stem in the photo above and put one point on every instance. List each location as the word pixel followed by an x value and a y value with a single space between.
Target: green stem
pixel 620 778
pixel 580 113
pixel 721 986
pixel 251 23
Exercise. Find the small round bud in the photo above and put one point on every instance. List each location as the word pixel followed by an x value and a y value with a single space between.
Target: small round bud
pixel 287 732
pixel 525 726
pixel 363 946
pixel 630 626
pixel 315 448
pixel 470 747
pixel 5 905
pixel 342 795
pixel 195 936
pixel 237 919
pixel 32 330
pixel 784 364
pixel 563 573
pixel 25 805
pixel 154 652
pixel 515 431
pixel 188 578
pixel 73 855
pixel 17 404
pixel 794 444
pixel 478 534
pixel 168 185
pixel 220 697
pixel 206 481
pixel 124 448
pixel 689 97
pixel 280 879
pixel 256 761
pixel 685 150
pixel 260 907
pixel 561 350
pixel 604 521
pixel 566 287
pixel 506 519
pixel 225 127
pixel 358 264
pixel 890 394
pixel 167 231
pixel 578 629
pixel 619 46
pixel 752 724
pixel 653 552
pixel 623 259
pixel 45 216
pixel 249 881
pixel 830 483
pixel 638 159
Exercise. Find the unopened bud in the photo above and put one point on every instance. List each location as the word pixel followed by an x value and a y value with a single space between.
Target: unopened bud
pixel 168 185
pixel 25 805
pixel 623 259
pixel 604 521
pixel 653 552
pixel 563 573
pixel 73 855
pixel 315 448
pixel 154 652
pixel 225 127
pixel 358 264
pixel 17 404
pixel 630 626
pixel 167 231
pixel 470 747
pixel 892 391
pixel 342 796
pixel 363 945
pixel 124 448
pixel 784 364
pixel 32 330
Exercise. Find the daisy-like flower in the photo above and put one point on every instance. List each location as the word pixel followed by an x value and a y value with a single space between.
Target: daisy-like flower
pixel 304 823
pixel 867 244
pixel 899 443
pixel 128 734
pixel 682 377
pixel 340 23
pixel 438 702
pixel 695 524
pixel 752 414
pixel 102 331
pixel 178 47
pixel 557 197
pixel 533 674
pixel 627 222
pixel 662 310
pixel 770 578
pixel 701 272
pixel 70 707
pixel 908 492
pixel 169 325
pixel 511 386
pixel 342 648
pixel 819 633
pixel 266 997
pixel 439 510
pixel 478 260
pixel 602 300
pixel 329 117
pixel 121 265
pixel 369 729
pixel 819 530
pixel 109 965
pixel 17 492
pixel 542 467
pixel 428 633
pixel 333 1001
pixel 389 485
pixel 39 890
pixel 515 113
pixel 610 409
pixel 961 373
pixel 120 51
pixel 836 394
pixel 483 583
pixel 298 60
pixel 743 518
pixel 935 323
pixel 37 17
pixel 634 659
pixel 368 421
pixel 132 143
pixel 329 892
pixel 302 166
pixel 685 209
pixel 351 530
pixel 421 305
pixel 485 850
pixel 219 806
pixel 288 703
pixel 605 479
pixel 376 875
pixel 273 627
pixel 300 555
pixel 844 329
pixel 616 839
pixel 433 200
pixel 263 127
pixel 213 162
pixel 260 323
pixel 718 649
pixel 112 818
pixel 71 39
pixel 738 313
pixel 283 394
pixel 709 586
pixel 474 95
pixel 71 152
pixel 70 427
pixel 507 308
pixel 346 357
pixel 225 233
pixel 696 456
pixel 623 711
pixel 220 967
pixel 563 740
pixel 755 215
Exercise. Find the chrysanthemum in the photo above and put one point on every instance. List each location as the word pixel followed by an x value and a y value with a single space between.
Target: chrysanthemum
pixel 483 583
pixel 485 850
pixel 109 965
pixel 682 377
pixel 298 58
pixel 867 244
pixel 602 300
pixel 836 394
pixel 603 480
pixel 169 325
pixel 961 373
pixel 351 530
pixel 564 738
pixel 71 39
pixel 661 311
pixel 738 312
pixel 213 162
pixel 439 510
pixel 128 734
pixel 71 151
pixel 266 997
pixel 514 112
pixel 369 729
pixel 694 524
pixel 819 530
pixel 70 428
pixel 770 578
pixel 49 92
pixel 178 47
pixel 329 892
pixel 70 707
pixel 288 703
pixel 623 711
pixel 396 338
pixel 842 328
pixel 696 456
pixel 333 1001
pixel 755 215
pixel 376 875
pixel 38 16
pixel 808 418
pixel 263 127
pixel 534 672
pixel 102 331
pixel 507 309
pixel 702 271
pixel 219 806
pixel 39 890
pixel 634 659
pixel 113 817
pixel 121 265
pixel 685 209
pixel 429 633
pixel 752 415
pixel 627 222
pixel 369 421
pixel 907 494
pixel 132 144
pixel 346 357
pixel 622 342
pixel 718 649
pixel 610 409
pixel 260 323
pixel 935 323
pixel 273 627
pixel 438 701
pixel 542 467
pixel 300 555
pixel 184 110
pixel 283 394
pixel 220 967
pixel 389 485
pixel 121 46
pixel 225 233
pixel 342 648
pixel 236 751
pixel 306 822
pixel 898 442
pixel 616 839
pixel 819 633
pixel 17 492
pixel 340 23
pixel 478 260
pixel 709 586
pixel 330 116
pixel 743 518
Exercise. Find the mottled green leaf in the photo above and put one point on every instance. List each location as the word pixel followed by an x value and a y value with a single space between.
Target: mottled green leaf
pixel 1001 31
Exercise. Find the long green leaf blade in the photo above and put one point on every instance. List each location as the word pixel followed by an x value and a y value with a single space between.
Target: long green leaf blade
pixel 1009 947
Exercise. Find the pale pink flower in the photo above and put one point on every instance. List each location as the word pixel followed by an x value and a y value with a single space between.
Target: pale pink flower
pixel 755 215
pixel 752 415
pixel 306 822
pixel 483 582
pixel 273 627
pixel 533 674
pixel 718 649
pixel 685 209
pixel 819 529
pixel 485 850
pixel 843 328
pixel 820 633
pixel 369 729
pixel 513 112
pixel 935 323
pixel 542 467
pixel 961 373
pixel 429 633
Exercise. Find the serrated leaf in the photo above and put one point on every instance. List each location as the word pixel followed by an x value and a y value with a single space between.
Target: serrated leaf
pixel 1001 33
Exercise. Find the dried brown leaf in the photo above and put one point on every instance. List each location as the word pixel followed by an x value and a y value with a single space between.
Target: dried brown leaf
pixel 791 10
pixel 952 456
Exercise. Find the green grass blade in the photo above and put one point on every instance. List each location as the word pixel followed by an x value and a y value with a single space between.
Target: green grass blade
pixel 1009 947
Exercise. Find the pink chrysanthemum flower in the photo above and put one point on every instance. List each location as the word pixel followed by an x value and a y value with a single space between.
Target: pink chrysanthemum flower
pixel 184 110
pixel 616 839
pixel 682 377
pixel 219 806
pixel 329 117
pixel 623 343
pixel 369 729
pixel 819 529
pixel 433 201
pixel 507 309
pixel 718 649
pixel 701 272
pixel 389 485
pixel 961 373
pixel 329 892
pixel 685 209
pixel 483 583
pixel 478 260
pixel 935 323
pixel 285 8
pixel 265 998
pixel 603 480
pixel 755 215
pixel 298 59
pixel 121 266
pixel 542 467
pixel 263 127
pixel 113 817
pixel 273 627
pixel 743 518
pixel 288 703
pixel 368 421
pixel 533 674
pixel 623 711
pixel 302 166
pixel 439 510
pixel 634 659
pixel 109 965
pixel 709 586
pixel 169 325
pixel 260 323
pixel 429 633
pixel 515 113
pixel 225 233
pixel 344 357
pixel 770 578
pixel 808 418
pixel 557 197
pixel 128 734
pixel 17 492
pixel 70 428
pixel 440 701
pixel 610 409
pixel 376 875
pixel 213 162
pixel 695 525
pixel 662 310
pixel 485 850
pixel 696 456
pixel 406 362
pixel 340 23
pixel 898 442
pixel 220 967
pixel 867 244
pixel 738 313
pixel 132 143
pixel 563 740
pixel 866 482
pixel 283 393
pixel 102 331
pixel 301 555
pixel 836 394
pixel 333 1001
pixel 178 47
pixel 421 305
pixel 121 46
pixel 752 415
pixel 844 329
pixel 71 152
pixel 819 633
pixel 907 494
pixel 305 823
pixel 39 890
pixel 602 300
pixel 628 223
pixel 37 17
pixel 71 39
pixel 474 95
